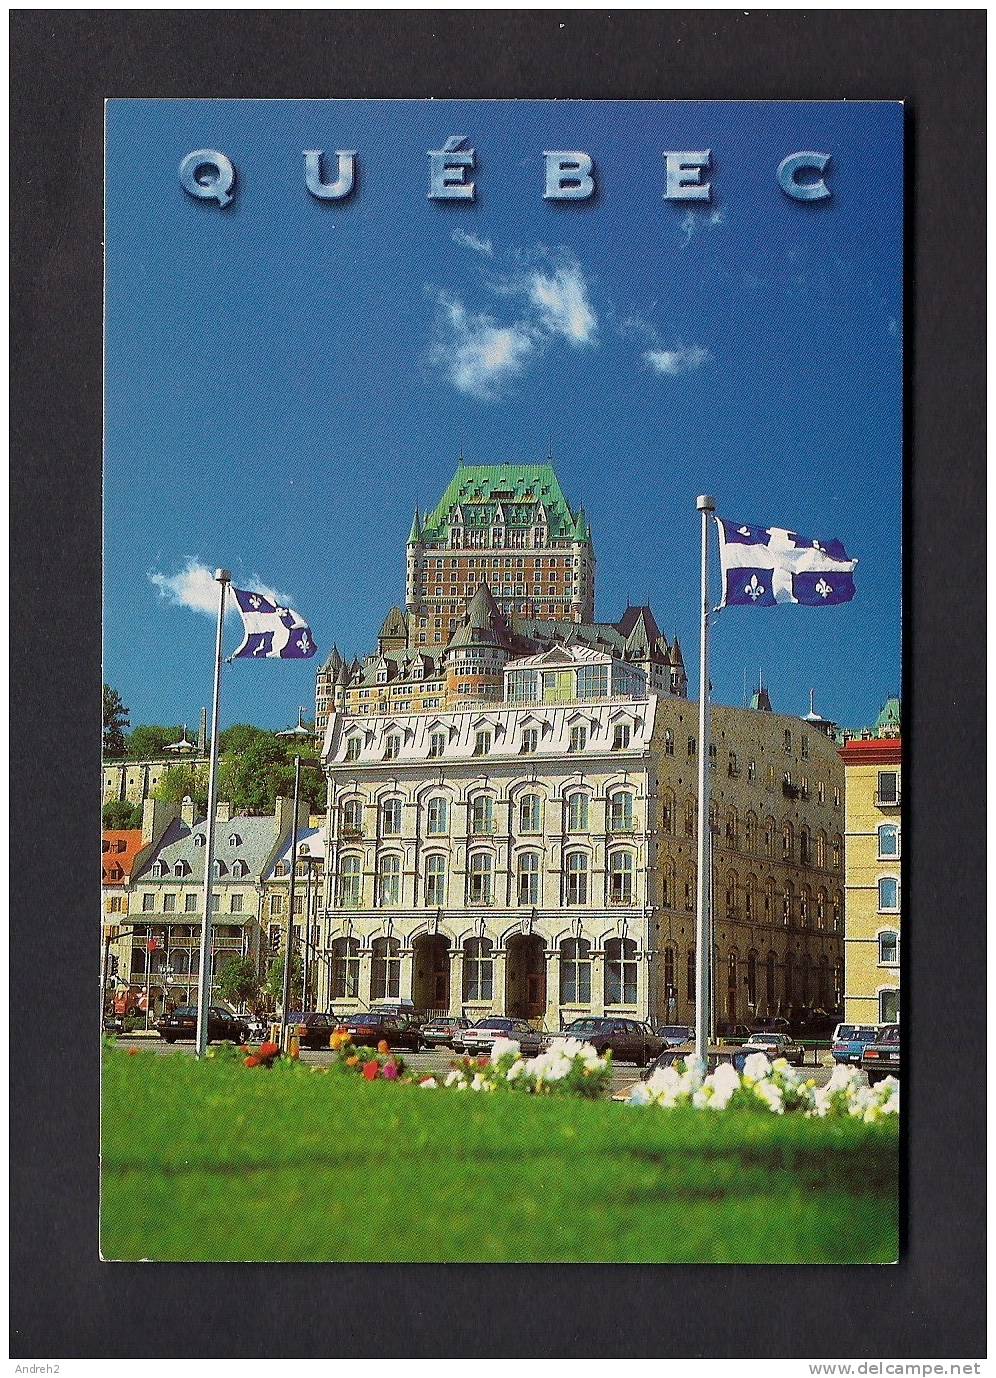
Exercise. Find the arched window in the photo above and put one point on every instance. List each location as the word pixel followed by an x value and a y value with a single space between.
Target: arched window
pixel 821 850
pixel 620 971
pixel 750 898
pixel 437 816
pixel 804 905
pixel 481 878
pixel 478 969
pixel 690 975
pixel 771 966
pixel 667 812
pixel 805 854
pixel 576 867
pixel 281 869
pixel 530 814
pixel 769 836
pixel 620 877
pixel 821 909
pixel 670 982
pixel 690 817
pixel 482 815
pixel 732 896
pixel 528 878
pixel 621 811
pixel 732 828
pixel 750 831
pixel 769 899
pixel 350 882
pixel 575 971
pixel 788 902
pixel 888 895
pixel 668 742
pixel 731 986
pixel 352 818
pixel 752 978
pixel 888 840
pixel 835 852
pixel 385 969
pixel 690 888
pixel 668 883
pixel 788 841
pixel 390 818
pixel 389 881
pixel 838 909
pixel 435 881
pixel 345 969
pixel 577 812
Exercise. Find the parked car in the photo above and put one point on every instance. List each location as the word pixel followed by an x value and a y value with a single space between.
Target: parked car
pixel 850 1040
pixel 479 1037
pixel 369 1027
pixel 676 1035
pixel 222 1024
pixel 882 1058
pixel 733 1033
pixel 314 1030
pixel 439 1033
pixel 629 1040
pixel 258 1026
pixel 775 1024
pixel 402 1009
pixel 114 1023
pixel 772 1045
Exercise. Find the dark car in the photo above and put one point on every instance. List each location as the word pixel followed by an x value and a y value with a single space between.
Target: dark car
pixel 733 1033
pixel 772 1045
pixel 222 1024
pixel 402 1009
pixel 439 1033
pixel 628 1039
pixel 313 1030
pixel 479 1037
pixel 850 1040
pixel 882 1058
pixel 370 1027
pixel 113 1023
pixel 676 1035
pixel 773 1025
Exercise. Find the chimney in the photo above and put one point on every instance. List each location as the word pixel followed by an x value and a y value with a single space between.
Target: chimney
pixel 156 818
pixel 223 813
pixel 283 812
pixel 187 811
pixel 202 734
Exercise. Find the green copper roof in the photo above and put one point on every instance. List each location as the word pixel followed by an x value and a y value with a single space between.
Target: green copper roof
pixel 480 489
pixel 890 715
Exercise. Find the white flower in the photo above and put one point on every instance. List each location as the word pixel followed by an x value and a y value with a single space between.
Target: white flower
pixel 771 1095
pixel 454 1078
pixel 516 1070
pixel 757 1067
pixel 501 1046
pixel 722 1084
pixel 640 1094
pixel 429 1084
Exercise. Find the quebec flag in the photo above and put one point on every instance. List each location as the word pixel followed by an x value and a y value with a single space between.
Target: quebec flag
pixel 271 632
pixel 765 565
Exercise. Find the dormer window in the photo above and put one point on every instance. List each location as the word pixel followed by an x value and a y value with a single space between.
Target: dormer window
pixel 105 846
pixel 353 749
pixel 530 741
pixel 220 869
pixel 159 870
pixel 182 868
pixel 392 747
pixel 437 743
pixel 281 868
pixel 200 840
pixel 579 738
pixel 239 868
pixel 235 840
pixel 482 743
pixel 620 736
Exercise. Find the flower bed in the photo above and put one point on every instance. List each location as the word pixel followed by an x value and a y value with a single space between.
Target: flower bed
pixel 774 1087
pixel 567 1068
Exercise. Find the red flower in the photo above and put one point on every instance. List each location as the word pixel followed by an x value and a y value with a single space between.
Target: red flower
pixel 482 1062
pixel 268 1051
pixel 252 1061
pixel 133 1052
pixel 371 1070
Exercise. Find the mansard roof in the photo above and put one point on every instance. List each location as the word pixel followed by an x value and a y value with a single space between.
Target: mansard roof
pixel 525 493
pixel 395 624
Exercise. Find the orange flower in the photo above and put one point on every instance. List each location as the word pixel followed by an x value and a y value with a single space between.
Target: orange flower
pixel 339 1039
pixel 252 1061
pixel 268 1050
pixel 371 1070
pixel 383 1046
pixel 133 1052
pixel 352 1061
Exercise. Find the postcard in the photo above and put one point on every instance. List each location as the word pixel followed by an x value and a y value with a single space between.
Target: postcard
pixel 544 903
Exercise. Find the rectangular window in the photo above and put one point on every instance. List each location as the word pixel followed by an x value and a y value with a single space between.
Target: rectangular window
pixel 888 787
pixel 579 738
pixel 148 903
pixel 620 737
pixel 215 903
pixel 190 904
pixel 392 748
pixel 530 741
pixel 593 681
pixel 236 905
pixel 437 743
pixel 482 743
pixel 276 904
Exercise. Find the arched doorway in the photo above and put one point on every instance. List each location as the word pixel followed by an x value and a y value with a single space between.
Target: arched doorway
pixel 431 973
pixel 525 977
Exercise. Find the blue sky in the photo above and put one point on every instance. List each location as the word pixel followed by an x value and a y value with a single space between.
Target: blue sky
pixel 286 378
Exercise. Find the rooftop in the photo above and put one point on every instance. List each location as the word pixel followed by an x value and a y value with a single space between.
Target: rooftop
pixel 509 493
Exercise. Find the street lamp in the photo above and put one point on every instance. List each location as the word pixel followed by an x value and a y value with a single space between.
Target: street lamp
pixel 301 734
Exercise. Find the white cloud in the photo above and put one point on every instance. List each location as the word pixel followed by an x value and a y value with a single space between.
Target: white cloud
pixel 562 303
pixel 194 587
pixel 471 241
pixel 675 361
pixel 478 354
pixel 696 220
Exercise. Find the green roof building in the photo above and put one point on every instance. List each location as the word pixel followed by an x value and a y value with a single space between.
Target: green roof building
pixel 509 526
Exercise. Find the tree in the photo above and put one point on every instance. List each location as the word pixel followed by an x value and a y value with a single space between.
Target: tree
pixel 275 979
pixel 119 813
pixel 115 722
pixel 181 780
pixel 149 741
pixel 238 982
pixel 239 737
pixel 251 779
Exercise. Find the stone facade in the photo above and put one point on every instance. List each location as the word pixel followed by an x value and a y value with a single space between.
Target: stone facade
pixel 538 858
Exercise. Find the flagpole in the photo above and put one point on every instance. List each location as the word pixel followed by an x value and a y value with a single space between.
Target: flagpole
pixel 703 926
pixel 289 946
pixel 223 577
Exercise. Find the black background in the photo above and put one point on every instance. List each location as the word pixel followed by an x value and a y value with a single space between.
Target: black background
pixel 65 1302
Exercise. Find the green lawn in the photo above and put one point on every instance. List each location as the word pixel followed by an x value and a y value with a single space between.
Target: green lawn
pixel 213 1161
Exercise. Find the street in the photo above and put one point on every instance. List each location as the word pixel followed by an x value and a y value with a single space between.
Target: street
pixel 435 1063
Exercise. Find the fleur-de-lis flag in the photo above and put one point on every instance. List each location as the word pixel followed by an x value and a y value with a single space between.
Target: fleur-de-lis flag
pixel 765 565
pixel 271 632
